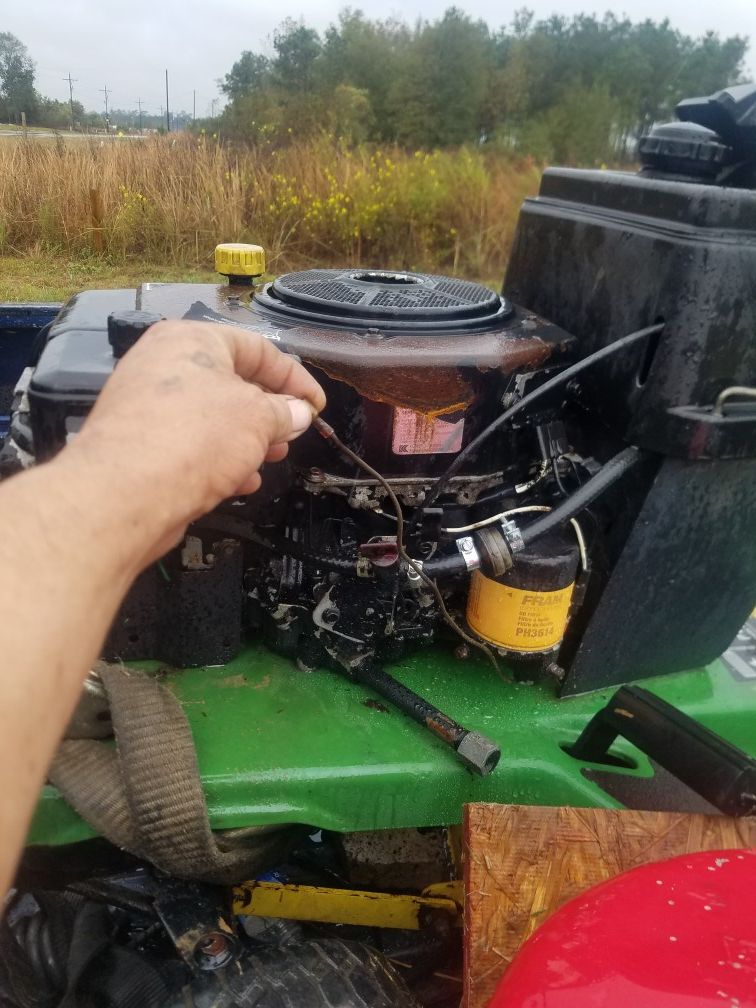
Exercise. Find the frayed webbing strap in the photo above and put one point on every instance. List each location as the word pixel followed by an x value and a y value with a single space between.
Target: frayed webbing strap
pixel 145 794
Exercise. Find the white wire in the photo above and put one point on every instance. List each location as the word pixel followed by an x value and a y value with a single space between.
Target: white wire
pixel 506 514
pixel 581 543
pixel 492 519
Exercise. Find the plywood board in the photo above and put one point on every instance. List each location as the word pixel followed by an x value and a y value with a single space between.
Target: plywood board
pixel 523 862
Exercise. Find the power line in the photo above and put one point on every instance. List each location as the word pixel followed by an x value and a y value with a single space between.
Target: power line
pixel 71 81
pixel 167 110
pixel 107 120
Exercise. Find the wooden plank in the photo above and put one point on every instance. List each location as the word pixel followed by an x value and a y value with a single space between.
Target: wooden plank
pixel 523 862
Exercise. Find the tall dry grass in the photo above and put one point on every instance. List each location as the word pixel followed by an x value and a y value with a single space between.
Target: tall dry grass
pixel 172 199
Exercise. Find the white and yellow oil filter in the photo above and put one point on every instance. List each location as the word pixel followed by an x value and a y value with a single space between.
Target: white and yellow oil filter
pixel 524 613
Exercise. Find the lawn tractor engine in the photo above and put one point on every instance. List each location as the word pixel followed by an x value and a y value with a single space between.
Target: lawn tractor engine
pixel 414 367
pixel 560 477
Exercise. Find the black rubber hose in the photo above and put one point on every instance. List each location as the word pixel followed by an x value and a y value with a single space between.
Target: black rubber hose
pixel 445 566
pixel 607 475
pixel 537 393
pixel 610 472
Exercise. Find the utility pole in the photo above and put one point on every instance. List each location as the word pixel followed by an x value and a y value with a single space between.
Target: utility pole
pixel 71 80
pixel 213 103
pixel 167 110
pixel 139 103
pixel 194 106
pixel 107 120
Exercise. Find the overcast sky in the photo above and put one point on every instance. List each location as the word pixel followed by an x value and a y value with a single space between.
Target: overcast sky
pixel 127 46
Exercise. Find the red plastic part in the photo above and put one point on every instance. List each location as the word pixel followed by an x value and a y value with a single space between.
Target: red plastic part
pixel 673 934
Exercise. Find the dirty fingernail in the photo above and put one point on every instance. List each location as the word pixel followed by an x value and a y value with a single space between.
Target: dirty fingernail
pixel 301 415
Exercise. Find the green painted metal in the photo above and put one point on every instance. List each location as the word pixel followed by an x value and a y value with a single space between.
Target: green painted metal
pixel 277 745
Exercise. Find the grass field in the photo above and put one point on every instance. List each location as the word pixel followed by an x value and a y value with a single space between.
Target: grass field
pixel 55 278
pixel 86 214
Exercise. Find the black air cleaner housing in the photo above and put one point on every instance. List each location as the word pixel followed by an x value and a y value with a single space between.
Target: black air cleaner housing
pixel 413 365
pixel 405 302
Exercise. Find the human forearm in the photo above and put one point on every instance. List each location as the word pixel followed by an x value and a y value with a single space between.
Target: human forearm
pixel 186 420
pixel 70 552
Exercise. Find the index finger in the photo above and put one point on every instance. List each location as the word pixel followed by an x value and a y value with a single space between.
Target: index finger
pixel 258 360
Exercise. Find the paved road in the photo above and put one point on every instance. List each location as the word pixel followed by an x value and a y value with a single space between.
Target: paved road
pixel 50 135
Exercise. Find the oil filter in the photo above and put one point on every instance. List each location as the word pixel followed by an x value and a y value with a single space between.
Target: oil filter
pixel 524 612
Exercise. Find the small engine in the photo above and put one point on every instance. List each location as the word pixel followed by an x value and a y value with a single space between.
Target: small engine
pixel 596 534
pixel 414 367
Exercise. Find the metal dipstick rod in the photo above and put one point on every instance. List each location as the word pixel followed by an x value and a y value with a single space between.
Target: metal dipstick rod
pixel 476 751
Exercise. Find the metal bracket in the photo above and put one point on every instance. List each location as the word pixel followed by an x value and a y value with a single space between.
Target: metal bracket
pixel 513 535
pixel 712 767
pixel 348 906
pixel 469 552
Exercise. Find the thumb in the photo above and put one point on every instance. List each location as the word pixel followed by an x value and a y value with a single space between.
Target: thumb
pixel 300 414
pixel 281 418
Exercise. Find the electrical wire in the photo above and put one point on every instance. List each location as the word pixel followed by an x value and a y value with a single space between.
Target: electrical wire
pixel 543 469
pixel 607 476
pixel 527 400
pixel 329 434
pixel 581 544
pixel 492 519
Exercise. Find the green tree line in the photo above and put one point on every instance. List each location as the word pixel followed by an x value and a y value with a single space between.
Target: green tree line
pixel 576 89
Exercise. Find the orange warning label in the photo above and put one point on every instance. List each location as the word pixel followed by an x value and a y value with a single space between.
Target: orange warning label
pixel 417 434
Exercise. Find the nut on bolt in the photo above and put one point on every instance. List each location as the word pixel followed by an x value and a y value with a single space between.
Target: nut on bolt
pixel 214 950
pixel 478 753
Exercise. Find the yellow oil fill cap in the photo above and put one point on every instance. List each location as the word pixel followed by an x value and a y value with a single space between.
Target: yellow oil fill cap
pixel 236 259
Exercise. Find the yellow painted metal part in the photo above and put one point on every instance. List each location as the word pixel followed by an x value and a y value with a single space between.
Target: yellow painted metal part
pixel 343 906
pixel 454 891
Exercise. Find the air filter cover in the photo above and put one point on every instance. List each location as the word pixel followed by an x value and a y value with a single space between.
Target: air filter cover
pixel 384 299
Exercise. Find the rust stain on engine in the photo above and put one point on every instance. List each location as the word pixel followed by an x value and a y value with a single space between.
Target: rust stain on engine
pixel 417 377
pixel 432 391
pixel 428 373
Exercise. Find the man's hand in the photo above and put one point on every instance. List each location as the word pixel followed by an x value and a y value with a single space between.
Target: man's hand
pixel 187 419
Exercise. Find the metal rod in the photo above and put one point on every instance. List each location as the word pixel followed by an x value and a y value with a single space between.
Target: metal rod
pixel 477 752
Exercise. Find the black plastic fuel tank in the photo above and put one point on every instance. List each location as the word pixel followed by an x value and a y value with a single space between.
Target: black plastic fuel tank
pixel 602 254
